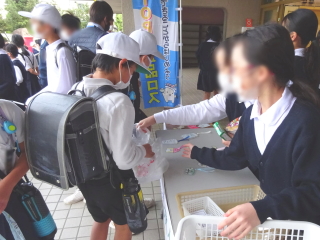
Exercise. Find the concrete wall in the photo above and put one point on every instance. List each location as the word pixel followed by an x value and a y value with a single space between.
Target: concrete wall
pixel 236 12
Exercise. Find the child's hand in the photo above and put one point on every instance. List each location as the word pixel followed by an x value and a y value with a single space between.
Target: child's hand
pixel 187 148
pixel 240 221
pixel 146 123
pixel 149 153
pixel 226 143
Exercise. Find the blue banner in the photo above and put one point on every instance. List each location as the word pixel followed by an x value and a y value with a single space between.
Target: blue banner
pixel 160 17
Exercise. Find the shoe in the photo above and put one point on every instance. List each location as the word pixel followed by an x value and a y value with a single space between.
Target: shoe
pixel 74 198
pixel 111 225
pixel 149 202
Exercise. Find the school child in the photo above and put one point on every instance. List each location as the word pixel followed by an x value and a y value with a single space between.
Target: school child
pixel 303 26
pixel 7 74
pixel 21 73
pixel 61 66
pixel 207 80
pixel 220 106
pixel 117 58
pixel 148 51
pixel 12 169
pixel 30 63
pixel 279 135
pixel 70 25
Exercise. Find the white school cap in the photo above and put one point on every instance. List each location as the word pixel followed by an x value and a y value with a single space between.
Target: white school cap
pixel 45 13
pixel 120 46
pixel 147 42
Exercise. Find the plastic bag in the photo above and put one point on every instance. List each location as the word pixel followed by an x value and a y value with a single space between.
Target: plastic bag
pixel 139 136
pixel 149 169
pixel 15 230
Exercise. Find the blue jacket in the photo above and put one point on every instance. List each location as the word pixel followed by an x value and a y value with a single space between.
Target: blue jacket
pixel 87 38
pixel 288 170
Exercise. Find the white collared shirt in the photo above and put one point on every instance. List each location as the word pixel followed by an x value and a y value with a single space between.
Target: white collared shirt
pixel 299 52
pixel 207 111
pixel 18 73
pixel 116 119
pixel 28 61
pixel 61 78
pixel 2 51
pixel 92 24
pixel 267 123
pixel 210 40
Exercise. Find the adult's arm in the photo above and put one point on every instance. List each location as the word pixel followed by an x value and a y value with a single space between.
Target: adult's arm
pixel 204 112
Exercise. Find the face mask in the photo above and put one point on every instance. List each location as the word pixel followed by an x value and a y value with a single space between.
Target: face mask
pixel 224 82
pixel 107 26
pixel 64 36
pixel 243 95
pixel 122 85
pixel 111 28
pixel 34 28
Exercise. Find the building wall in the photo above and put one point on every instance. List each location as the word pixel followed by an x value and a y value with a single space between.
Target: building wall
pixel 236 12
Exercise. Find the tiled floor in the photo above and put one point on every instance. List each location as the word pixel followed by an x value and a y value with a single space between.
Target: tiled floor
pixel 74 222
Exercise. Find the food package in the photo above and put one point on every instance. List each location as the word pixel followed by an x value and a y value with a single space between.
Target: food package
pixel 232 127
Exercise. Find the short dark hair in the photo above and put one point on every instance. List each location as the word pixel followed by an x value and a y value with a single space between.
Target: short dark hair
pixel 71 21
pixel 106 63
pixel 2 42
pixel 11 48
pixel 214 33
pixel 99 10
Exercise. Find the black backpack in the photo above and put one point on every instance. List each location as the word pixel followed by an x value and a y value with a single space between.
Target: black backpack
pixel 83 58
pixel 63 139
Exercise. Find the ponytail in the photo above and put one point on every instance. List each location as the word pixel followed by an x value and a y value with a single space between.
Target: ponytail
pixel 312 56
pixel 19 42
pixel 24 51
pixel 305 92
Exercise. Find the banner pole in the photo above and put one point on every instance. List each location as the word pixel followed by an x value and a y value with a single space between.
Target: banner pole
pixel 181 44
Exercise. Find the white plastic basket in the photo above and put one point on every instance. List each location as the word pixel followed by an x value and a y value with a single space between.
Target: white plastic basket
pixel 225 198
pixel 203 203
pixel 205 227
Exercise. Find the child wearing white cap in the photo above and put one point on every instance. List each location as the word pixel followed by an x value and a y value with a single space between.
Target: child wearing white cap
pixel 117 58
pixel 61 66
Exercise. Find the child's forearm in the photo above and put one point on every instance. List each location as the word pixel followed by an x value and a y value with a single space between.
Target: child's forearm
pixel 18 171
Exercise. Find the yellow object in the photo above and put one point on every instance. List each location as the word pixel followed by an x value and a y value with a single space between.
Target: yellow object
pixel 12 128
pixel 121 186
pixel 225 198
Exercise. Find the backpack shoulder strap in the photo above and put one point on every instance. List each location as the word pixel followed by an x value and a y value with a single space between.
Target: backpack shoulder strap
pixel 102 91
pixel 61 45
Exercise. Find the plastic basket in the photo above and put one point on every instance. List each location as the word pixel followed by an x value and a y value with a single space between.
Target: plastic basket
pixel 203 203
pixel 225 198
pixel 205 227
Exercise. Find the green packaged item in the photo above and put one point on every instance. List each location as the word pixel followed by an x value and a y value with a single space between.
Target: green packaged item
pixel 221 132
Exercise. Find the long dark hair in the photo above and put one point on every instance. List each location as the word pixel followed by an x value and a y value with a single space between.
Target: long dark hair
pixel 214 33
pixel 270 45
pixel 305 23
pixel 19 42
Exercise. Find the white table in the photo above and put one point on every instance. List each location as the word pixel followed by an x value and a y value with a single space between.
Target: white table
pixel 176 181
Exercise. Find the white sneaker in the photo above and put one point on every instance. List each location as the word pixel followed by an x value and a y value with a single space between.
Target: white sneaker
pixel 149 202
pixel 74 198
pixel 111 225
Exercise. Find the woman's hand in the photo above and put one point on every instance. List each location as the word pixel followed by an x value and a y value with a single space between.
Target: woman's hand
pixel 147 122
pixel 5 192
pixel 240 221
pixel 187 148
pixel 149 153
